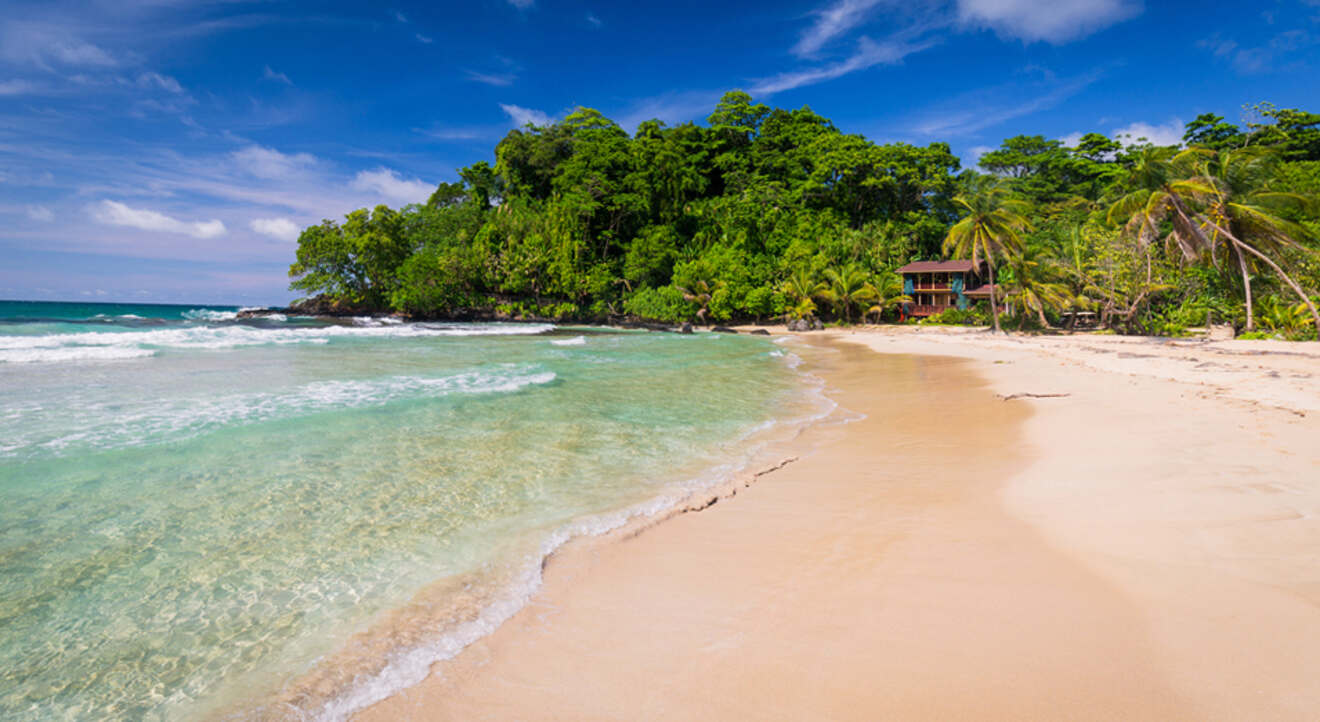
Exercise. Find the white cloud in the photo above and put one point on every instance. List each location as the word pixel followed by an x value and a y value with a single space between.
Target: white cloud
pixel 522 4
pixel 117 214
pixel 77 52
pixel 869 54
pixel 270 74
pixel 1057 21
pixel 270 163
pixel 1170 133
pixel 522 116
pixel 832 22
pixel 164 82
pixel 41 214
pixel 424 40
pixel 16 87
pixel 390 185
pixel 593 20
pixel 1072 139
pixel 281 229
pixel 400 17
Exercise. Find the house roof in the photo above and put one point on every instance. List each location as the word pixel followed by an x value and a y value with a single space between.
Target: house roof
pixel 982 291
pixel 938 267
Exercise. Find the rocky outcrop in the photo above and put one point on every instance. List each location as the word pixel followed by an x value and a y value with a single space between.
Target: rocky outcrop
pixel 723 329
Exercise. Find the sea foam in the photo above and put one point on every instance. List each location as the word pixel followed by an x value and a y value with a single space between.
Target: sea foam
pixel 113 345
pixel 106 426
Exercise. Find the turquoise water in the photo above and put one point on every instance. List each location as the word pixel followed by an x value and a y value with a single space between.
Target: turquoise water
pixel 196 510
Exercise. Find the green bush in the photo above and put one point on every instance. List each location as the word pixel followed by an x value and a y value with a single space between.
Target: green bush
pixel 659 304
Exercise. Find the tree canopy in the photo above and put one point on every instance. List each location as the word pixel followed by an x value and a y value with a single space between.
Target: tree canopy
pixel 763 212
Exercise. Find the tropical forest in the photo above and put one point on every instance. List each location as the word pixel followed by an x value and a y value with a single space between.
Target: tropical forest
pixel 764 214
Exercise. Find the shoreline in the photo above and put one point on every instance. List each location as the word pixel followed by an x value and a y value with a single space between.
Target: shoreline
pixel 444 618
pixel 1141 652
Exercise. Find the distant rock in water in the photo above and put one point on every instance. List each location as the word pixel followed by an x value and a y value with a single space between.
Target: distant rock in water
pixel 685 328
pixel 723 329
pixel 759 332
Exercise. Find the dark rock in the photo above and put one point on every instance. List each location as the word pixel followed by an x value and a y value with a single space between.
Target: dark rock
pixel 816 325
pixel 798 325
pixel 723 329
pixel 759 332
pixel 685 328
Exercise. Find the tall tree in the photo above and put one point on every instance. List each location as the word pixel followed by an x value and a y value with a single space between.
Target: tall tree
pixel 992 226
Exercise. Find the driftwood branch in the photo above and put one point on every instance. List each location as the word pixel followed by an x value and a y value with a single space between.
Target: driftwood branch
pixel 1010 397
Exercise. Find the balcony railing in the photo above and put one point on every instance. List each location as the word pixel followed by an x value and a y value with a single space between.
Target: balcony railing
pixel 925 310
pixel 931 286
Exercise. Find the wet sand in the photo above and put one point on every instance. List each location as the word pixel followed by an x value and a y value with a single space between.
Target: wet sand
pixel 1137 549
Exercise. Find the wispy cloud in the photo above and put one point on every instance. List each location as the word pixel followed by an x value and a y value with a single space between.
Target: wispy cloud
pixel 594 21
pixel 522 4
pixel 400 17
pixel 1268 57
pixel 868 55
pixel 1056 21
pixel 523 116
pixel 41 214
pixel 831 22
pixel 156 80
pixel 117 214
pixel 388 183
pixel 970 113
pixel 423 39
pixel 47 45
pixel 496 79
pixel 17 87
pixel 270 163
pixel 271 74
pixel 281 229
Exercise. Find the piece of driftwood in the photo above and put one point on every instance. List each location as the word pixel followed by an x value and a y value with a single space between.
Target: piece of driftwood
pixel 1010 397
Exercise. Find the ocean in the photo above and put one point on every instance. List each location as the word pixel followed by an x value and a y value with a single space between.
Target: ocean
pixel 203 516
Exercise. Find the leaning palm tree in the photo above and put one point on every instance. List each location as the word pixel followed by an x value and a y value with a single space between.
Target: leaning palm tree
pixel 1210 199
pixel 701 293
pixel 1033 287
pixel 1245 212
pixel 992 227
pixel 847 287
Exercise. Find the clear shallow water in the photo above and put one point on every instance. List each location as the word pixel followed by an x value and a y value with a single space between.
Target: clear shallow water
pixel 193 510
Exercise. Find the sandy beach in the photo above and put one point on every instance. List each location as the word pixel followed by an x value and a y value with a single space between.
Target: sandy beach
pixel 1081 527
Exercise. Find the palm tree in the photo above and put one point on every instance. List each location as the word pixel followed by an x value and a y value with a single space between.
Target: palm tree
pixel 701 293
pixel 1031 286
pixel 993 226
pixel 1163 183
pixel 1210 198
pixel 1242 209
pixel 888 294
pixel 847 287
pixel 801 288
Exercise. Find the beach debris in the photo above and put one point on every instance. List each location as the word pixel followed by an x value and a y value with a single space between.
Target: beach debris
pixel 1010 397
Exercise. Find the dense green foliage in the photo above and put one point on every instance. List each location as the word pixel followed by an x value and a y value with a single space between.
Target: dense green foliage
pixel 765 213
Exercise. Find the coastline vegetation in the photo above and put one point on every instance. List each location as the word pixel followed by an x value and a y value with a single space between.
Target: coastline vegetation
pixel 764 213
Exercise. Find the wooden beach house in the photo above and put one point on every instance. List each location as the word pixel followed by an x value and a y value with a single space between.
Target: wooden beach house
pixel 936 286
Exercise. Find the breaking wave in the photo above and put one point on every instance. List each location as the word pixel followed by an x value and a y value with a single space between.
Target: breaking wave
pixel 119 345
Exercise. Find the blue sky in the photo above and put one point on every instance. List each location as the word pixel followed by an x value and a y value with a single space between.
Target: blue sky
pixel 168 150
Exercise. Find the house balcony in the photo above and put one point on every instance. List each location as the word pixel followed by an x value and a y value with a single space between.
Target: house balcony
pixel 914 309
pixel 945 287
